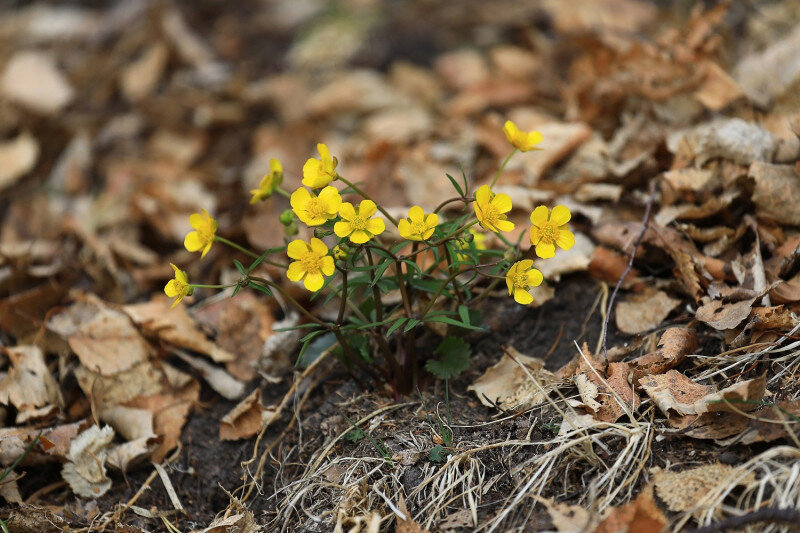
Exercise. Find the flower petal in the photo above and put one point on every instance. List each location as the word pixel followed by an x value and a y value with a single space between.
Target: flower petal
pixel 295 272
pixel 535 278
pixel 504 225
pixel 318 247
pixel 404 228
pixel 314 281
pixel 360 236
pixel 545 250
pixel 328 266
pixel 177 300
pixel 347 211
pixel 332 197
pixel 483 195
pixel 299 198
pixel 565 239
pixel 367 208
pixel 342 228
pixel 535 235
pixel 196 220
pixel 193 242
pixel 539 216
pixel 428 233
pixel 502 202
pixel 432 220
pixel 560 215
pixel 524 265
pixel 534 137
pixel 172 288
pixel 324 153
pixel 206 249
pixel 522 296
pixel 376 226
pixel 416 214
pixel 511 131
pixel 296 249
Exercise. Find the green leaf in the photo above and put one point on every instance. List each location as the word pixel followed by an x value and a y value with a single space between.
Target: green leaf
pixel 438 454
pixel 450 321
pixel 236 290
pixel 314 347
pixel 256 286
pixel 453 359
pixel 240 267
pixel 410 325
pixel 354 435
pixel 397 324
pixel 263 256
pixel 456 186
pixel 463 312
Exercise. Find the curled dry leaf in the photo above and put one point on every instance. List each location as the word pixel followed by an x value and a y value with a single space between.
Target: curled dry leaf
pixel 85 469
pixel 684 491
pixel 644 311
pixel 673 347
pixel 105 340
pixel 241 522
pixel 174 326
pixel 507 385
pixel 608 399
pixel 642 515
pixel 28 385
pixel 244 420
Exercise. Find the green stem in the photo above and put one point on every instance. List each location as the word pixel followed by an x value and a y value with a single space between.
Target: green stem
pixel 283 192
pixel 235 246
pixel 389 217
pixel 449 258
pixel 343 298
pixel 294 302
pixel 502 167
pixel 451 200
pixel 199 286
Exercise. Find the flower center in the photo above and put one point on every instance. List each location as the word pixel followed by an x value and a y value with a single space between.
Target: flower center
pixel 490 213
pixel 549 233
pixel 311 262
pixel 358 223
pixel 520 280
pixel 418 227
pixel 316 208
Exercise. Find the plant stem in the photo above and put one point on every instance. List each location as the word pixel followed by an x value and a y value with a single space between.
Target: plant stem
pixel 282 192
pixel 367 197
pixel 294 302
pixel 502 167
pixel 381 339
pixel 245 251
pixel 199 286
pixel 451 200
pixel 343 298
pixel 449 259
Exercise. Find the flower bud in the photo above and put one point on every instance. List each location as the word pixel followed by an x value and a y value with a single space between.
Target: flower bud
pixel 287 217
pixel 467 237
pixel 510 255
pixel 341 251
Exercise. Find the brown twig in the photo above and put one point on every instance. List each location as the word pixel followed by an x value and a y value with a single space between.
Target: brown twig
pixel 629 267
pixel 772 515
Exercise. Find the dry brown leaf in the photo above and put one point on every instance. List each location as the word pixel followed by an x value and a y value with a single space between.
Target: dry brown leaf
pixel 683 491
pixel 727 138
pixel 639 516
pixel 143 379
pixel 129 423
pixel 718 89
pixel 644 311
pixel 721 315
pixel 609 266
pixel 135 452
pixel 507 385
pixel 244 420
pixel 777 192
pixel 28 385
pixel 140 77
pixel 768 73
pixel 174 326
pixel 407 525
pixel 33 79
pixel 85 469
pixel 104 339
pixel 602 397
pixel 600 15
pixel 28 518
pixel 673 347
pixel 17 158
pixel 242 522
pixel 568 518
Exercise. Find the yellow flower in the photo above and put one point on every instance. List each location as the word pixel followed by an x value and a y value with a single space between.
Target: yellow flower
pixel 357 224
pixel 203 236
pixel 315 210
pixel 179 286
pixel 312 263
pixel 269 182
pixel 520 278
pixel 320 172
pixel 521 140
pixel 490 208
pixel 418 226
pixel 549 230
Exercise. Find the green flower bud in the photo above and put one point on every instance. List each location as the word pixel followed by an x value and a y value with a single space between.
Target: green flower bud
pixel 287 217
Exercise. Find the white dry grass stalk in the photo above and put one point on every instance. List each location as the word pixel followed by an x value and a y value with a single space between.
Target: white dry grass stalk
pixel 770 479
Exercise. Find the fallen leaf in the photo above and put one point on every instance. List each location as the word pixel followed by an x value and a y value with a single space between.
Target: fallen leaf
pixel 639 516
pixel 568 518
pixel 174 326
pixel 507 385
pixel 85 470
pixel 105 340
pixel 609 266
pixel 17 158
pixel 244 420
pixel 28 385
pixel 727 138
pixel 140 77
pixel 768 73
pixel 608 398
pixel 33 79
pixel 722 315
pixel 718 89
pixel 673 347
pixel 407 524
pixel 242 522
pixel 684 491
pixel 777 192
pixel 644 311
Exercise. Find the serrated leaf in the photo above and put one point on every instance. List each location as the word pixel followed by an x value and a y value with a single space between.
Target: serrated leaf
pixel 453 359
pixel 437 454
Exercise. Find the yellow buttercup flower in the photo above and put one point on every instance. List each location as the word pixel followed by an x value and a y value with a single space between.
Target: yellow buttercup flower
pixel 312 263
pixel 549 229
pixel 490 208
pixel 320 172
pixel 269 182
pixel 519 139
pixel 315 209
pixel 520 278
pixel 357 224
pixel 179 286
pixel 418 226
pixel 203 237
